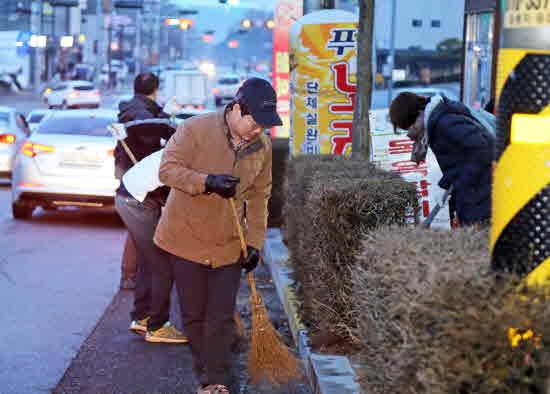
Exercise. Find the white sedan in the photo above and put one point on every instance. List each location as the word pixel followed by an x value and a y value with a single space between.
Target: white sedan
pixel 67 161
pixel 74 94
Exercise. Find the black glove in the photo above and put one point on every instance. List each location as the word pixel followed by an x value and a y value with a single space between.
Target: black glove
pixel 224 185
pixel 251 261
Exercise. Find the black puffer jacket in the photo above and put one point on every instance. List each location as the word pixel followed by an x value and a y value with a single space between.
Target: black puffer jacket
pixel 142 140
pixel 465 151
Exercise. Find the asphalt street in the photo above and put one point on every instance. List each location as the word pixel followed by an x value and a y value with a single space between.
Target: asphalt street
pixel 58 273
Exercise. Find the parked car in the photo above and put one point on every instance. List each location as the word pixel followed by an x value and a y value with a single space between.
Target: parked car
pixel 67 161
pixel 226 89
pixel 36 116
pixel 13 131
pixel 73 94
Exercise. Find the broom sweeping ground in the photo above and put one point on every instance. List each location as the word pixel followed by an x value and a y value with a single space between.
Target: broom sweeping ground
pixel 269 358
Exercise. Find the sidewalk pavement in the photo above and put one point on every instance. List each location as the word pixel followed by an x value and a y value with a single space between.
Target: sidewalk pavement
pixel 114 360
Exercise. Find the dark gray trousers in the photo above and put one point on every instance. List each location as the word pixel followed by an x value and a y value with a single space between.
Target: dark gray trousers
pixel 208 297
pixel 154 278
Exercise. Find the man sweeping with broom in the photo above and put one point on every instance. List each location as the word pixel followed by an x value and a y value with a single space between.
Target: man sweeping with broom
pixel 210 160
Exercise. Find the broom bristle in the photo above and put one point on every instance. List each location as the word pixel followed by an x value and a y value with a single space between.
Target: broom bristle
pixel 269 358
pixel 239 325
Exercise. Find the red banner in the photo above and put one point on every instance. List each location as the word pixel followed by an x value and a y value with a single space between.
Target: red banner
pixel 286 12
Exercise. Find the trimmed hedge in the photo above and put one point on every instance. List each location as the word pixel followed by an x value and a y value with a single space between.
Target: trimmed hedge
pixel 276 202
pixel 331 202
pixel 433 319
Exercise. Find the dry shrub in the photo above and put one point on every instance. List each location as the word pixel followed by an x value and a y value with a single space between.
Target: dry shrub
pixel 276 202
pixel 433 319
pixel 331 203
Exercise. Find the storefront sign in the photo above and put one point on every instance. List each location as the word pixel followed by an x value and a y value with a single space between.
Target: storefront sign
pixel 286 13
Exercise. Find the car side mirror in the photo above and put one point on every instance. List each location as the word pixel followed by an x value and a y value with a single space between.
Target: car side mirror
pixel 23 124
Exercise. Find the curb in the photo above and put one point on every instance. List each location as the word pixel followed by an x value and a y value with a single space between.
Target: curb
pixel 327 374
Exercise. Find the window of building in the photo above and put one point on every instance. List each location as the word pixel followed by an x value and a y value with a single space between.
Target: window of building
pixel 417 22
pixel 436 23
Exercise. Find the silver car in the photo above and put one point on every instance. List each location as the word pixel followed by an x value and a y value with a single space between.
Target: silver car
pixel 13 131
pixel 68 161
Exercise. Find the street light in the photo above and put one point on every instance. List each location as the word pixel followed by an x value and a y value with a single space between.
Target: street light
pixel 246 23
pixel 270 24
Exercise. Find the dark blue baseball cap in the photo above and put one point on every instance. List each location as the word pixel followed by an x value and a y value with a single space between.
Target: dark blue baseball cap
pixel 261 101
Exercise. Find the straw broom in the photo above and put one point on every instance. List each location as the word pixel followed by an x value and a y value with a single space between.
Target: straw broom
pixel 239 326
pixel 269 358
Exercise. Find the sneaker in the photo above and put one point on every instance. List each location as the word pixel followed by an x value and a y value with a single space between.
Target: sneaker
pixel 139 326
pixel 166 334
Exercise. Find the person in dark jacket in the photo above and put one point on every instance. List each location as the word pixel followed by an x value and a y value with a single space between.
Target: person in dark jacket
pixel 464 149
pixel 153 279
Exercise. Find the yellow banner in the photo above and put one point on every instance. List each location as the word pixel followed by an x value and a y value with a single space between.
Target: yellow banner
pixel 323 82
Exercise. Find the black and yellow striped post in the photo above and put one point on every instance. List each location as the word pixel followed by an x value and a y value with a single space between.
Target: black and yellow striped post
pixel 520 233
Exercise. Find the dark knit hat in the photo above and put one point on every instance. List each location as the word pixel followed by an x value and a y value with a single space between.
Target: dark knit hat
pixel 405 108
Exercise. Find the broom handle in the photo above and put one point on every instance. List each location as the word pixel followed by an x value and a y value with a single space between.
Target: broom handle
pixel 128 151
pixel 249 276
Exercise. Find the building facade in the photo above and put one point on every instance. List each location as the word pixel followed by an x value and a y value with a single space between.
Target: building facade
pixel 10 19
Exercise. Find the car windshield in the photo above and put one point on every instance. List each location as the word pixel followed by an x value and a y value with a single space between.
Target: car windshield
pixel 228 81
pixel 83 87
pixel 95 126
pixel 35 118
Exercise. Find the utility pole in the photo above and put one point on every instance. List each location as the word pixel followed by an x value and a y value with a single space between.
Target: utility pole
pixel 361 133
pixel 36 28
pixel 391 57
pixel 137 52
pixel 99 36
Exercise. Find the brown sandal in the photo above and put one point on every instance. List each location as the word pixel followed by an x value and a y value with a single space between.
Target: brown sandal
pixel 213 389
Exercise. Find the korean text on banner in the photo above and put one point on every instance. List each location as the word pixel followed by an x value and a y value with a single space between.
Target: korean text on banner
pixel 323 82
pixel 392 152
pixel 286 12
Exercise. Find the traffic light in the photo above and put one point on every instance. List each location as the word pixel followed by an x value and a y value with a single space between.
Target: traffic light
pixel 172 22
pixel 185 24
pixel 233 44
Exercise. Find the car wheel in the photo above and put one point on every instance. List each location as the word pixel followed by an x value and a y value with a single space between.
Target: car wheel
pixel 20 211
